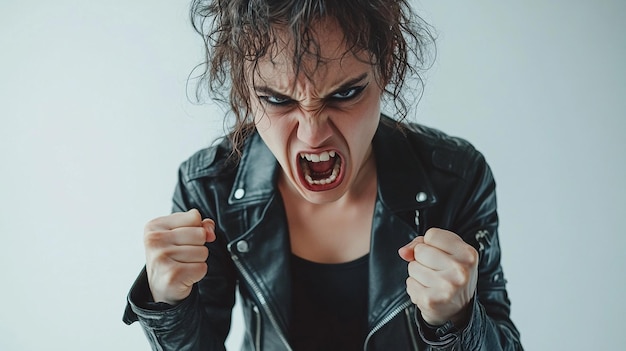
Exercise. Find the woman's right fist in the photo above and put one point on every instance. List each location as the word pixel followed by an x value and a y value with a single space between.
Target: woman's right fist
pixel 176 255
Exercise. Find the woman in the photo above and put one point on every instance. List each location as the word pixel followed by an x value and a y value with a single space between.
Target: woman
pixel 316 206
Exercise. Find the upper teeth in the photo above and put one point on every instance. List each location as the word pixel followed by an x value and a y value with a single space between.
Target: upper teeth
pixel 324 156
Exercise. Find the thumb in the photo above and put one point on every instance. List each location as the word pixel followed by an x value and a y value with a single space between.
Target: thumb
pixel 209 227
pixel 406 251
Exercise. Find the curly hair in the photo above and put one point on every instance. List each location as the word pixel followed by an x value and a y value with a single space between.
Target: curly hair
pixel 237 33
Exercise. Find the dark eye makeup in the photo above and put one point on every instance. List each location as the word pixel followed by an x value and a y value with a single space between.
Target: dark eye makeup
pixel 348 94
pixel 339 96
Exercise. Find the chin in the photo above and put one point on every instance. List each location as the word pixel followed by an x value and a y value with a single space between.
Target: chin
pixel 322 197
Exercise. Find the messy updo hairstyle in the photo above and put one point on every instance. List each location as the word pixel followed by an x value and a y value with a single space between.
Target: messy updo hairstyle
pixel 237 33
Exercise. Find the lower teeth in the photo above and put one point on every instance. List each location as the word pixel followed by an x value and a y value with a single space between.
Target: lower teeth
pixel 330 179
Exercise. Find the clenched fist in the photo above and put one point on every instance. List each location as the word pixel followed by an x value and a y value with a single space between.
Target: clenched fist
pixel 443 271
pixel 176 255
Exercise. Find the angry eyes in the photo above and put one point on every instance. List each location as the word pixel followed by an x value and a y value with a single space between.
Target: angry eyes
pixel 339 96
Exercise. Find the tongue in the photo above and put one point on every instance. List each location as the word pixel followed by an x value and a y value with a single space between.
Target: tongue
pixel 322 166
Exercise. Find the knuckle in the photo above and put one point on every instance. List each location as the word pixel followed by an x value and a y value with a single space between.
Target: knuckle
pixel 151 225
pixel 472 255
pixel 410 291
pixel 154 239
pixel 445 296
pixel 432 231
pixel 461 281
pixel 419 249
pixel 411 267
pixel 158 262
pixel 448 291
pixel 429 233
pixel 204 269
pixel 205 253
pixel 468 254
pixel 459 276
pixel 198 271
pixel 200 234
pixel 167 253
pixel 194 215
pixel 156 223
pixel 429 302
pixel 161 260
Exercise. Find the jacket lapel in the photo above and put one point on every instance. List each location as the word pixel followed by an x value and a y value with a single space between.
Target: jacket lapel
pixel 260 241
pixel 403 189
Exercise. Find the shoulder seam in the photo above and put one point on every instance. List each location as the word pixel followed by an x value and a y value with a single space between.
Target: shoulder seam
pixel 447 153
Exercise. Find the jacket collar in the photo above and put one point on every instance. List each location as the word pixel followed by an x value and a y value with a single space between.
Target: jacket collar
pixel 402 181
pixel 256 177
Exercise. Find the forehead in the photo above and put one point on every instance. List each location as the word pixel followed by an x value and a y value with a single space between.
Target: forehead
pixel 326 58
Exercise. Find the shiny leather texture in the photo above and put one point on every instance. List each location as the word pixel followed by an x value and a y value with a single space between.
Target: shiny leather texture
pixel 425 179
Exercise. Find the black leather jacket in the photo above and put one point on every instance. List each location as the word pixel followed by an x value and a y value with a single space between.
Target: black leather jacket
pixel 425 179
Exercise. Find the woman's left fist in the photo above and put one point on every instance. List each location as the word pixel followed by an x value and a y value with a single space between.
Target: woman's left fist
pixel 443 271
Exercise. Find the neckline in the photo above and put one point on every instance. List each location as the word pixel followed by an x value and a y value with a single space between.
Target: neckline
pixel 303 262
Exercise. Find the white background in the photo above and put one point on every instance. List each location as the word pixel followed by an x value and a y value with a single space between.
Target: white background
pixel 95 120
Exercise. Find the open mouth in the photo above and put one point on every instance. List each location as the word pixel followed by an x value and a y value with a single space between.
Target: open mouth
pixel 320 171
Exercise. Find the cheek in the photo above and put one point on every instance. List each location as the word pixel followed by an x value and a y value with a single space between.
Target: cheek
pixel 263 126
pixel 267 125
pixel 364 120
pixel 362 128
pixel 275 132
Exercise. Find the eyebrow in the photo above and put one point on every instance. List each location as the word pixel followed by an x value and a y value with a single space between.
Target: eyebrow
pixel 351 83
pixel 263 89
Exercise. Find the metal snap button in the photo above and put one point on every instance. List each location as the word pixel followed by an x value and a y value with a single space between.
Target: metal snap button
pixel 239 193
pixel 242 246
pixel 421 196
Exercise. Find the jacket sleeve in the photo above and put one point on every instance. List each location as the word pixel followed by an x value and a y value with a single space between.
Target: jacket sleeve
pixel 489 327
pixel 202 320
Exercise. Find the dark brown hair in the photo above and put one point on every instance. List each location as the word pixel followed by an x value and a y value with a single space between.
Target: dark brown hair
pixel 238 33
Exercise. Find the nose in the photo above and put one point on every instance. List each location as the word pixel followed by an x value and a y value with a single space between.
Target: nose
pixel 313 127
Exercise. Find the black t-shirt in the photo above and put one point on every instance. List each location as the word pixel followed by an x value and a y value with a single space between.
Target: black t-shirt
pixel 329 305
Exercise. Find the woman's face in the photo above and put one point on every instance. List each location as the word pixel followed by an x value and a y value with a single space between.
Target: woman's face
pixel 319 126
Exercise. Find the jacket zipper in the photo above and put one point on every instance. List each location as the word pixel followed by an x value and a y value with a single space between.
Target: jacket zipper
pixel 482 237
pixel 407 312
pixel 261 299
pixel 384 321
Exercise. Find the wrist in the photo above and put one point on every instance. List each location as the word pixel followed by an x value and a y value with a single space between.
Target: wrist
pixel 462 317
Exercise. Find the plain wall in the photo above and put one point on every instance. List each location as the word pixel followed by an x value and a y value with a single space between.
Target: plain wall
pixel 95 121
